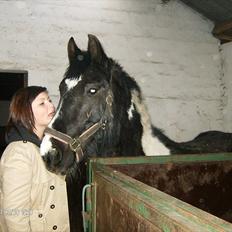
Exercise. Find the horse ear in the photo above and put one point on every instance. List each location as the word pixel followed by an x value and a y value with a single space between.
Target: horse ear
pixel 73 50
pixel 96 50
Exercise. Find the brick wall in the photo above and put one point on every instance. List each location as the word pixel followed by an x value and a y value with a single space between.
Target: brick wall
pixel 168 49
pixel 227 79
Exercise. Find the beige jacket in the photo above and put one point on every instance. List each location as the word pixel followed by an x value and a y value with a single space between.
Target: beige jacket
pixel 31 198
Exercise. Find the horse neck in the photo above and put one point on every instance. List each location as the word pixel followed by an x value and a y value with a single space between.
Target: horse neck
pixel 153 141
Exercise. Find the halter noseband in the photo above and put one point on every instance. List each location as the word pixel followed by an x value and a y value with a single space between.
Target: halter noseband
pixel 76 144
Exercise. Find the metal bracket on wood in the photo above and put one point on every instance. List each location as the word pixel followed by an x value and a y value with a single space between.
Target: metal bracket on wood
pixel 86 198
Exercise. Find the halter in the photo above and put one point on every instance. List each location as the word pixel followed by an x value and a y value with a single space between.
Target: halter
pixel 77 143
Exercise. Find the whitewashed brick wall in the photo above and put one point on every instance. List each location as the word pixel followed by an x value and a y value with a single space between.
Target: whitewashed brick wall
pixel 227 77
pixel 168 49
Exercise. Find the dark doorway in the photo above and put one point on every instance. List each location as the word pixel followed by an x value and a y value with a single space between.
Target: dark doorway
pixel 10 82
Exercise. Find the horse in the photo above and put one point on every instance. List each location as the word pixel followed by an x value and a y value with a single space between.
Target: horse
pixel 102 113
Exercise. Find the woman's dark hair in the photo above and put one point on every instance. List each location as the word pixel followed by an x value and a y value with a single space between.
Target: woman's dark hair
pixel 21 109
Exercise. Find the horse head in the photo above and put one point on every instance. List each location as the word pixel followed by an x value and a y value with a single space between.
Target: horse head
pixel 95 89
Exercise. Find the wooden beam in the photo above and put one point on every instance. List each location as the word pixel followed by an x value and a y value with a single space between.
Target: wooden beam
pixel 223 31
pixel 224 37
pixel 222 27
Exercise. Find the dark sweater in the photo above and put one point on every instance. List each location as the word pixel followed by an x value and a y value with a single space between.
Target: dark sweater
pixel 20 133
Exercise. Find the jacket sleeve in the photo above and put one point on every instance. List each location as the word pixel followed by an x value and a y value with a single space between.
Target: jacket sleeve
pixel 16 169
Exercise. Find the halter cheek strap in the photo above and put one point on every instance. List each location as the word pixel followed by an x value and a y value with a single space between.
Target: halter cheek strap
pixel 76 144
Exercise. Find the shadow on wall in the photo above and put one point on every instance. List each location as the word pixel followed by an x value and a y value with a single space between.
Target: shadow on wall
pixel 10 82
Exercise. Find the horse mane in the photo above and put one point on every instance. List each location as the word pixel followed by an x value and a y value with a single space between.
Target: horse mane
pixel 123 135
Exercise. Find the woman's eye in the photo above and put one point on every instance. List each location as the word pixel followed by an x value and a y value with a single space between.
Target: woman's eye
pixel 92 90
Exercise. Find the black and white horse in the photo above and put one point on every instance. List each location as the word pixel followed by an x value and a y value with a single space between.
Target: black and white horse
pixel 96 90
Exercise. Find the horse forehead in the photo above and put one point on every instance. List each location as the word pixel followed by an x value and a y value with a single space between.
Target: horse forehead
pixel 72 82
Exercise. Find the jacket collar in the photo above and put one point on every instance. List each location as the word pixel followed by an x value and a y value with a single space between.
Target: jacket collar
pixel 20 133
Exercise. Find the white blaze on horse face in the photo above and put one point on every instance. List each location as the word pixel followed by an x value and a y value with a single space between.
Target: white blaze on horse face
pixel 71 83
pixel 130 111
pixel 152 146
pixel 46 144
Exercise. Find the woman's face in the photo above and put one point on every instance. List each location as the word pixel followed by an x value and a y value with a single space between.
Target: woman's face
pixel 43 110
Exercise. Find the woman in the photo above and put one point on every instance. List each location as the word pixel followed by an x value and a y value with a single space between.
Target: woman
pixel 32 198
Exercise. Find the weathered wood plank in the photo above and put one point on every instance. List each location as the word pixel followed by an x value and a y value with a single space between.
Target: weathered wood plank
pixel 121 203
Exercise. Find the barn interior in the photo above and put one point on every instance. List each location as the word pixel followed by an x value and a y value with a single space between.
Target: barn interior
pixel 179 52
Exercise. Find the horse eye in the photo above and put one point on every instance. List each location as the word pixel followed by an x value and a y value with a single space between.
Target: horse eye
pixel 92 90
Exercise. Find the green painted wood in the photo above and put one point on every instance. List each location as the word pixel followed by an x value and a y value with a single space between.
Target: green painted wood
pixel 148 207
pixel 163 159
pixel 166 205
